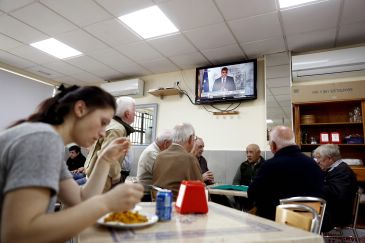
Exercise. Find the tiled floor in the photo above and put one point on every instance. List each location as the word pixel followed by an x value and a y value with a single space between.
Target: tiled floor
pixel 346 236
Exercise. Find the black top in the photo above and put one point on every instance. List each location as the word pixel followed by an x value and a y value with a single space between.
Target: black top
pixel 203 167
pixel 77 162
pixel 289 173
pixel 340 189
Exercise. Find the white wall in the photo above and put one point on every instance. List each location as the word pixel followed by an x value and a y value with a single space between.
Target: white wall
pixel 19 97
pixel 229 132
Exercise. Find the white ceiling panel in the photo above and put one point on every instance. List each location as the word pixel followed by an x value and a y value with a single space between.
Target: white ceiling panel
pixel 14 60
pixel 212 36
pixel 256 28
pixel 224 54
pixel 172 45
pixel 92 66
pixel 259 48
pixel 121 7
pixel 353 11
pixel 33 54
pixel 8 43
pixel 87 78
pixel 235 9
pixel 323 39
pixel 70 9
pixel 190 60
pixel 349 34
pixel 70 80
pixel 161 65
pixel 10 5
pixel 112 58
pixel 133 70
pixel 45 72
pixel 43 19
pixel 62 67
pixel 191 14
pixel 311 17
pixel 139 51
pixel 112 32
pixel 81 40
pixel 20 31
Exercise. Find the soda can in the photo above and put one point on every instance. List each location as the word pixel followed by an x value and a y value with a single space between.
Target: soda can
pixel 164 205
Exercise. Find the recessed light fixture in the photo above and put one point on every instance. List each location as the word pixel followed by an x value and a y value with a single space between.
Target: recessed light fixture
pixel 56 48
pixel 293 3
pixel 149 22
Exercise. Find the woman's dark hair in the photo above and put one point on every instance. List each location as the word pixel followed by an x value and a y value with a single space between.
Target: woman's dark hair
pixel 53 110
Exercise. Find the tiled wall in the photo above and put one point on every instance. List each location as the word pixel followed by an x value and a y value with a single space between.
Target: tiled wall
pixel 223 164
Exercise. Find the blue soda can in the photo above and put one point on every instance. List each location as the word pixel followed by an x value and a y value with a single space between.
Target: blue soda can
pixel 164 205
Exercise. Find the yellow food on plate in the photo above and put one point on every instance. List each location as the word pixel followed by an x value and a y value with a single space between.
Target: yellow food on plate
pixel 126 218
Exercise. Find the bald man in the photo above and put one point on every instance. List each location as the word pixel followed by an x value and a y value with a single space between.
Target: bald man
pixel 289 173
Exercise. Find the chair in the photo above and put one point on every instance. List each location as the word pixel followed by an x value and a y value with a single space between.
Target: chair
pixel 299 216
pixel 316 203
pixel 352 226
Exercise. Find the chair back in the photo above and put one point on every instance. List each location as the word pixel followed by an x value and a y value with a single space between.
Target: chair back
pixel 299 216
pixel 355 209
pixel 316 203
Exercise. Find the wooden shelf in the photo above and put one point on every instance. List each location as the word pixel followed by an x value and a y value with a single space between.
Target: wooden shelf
pixel 165 92
pixel 331 123
pixel 339 144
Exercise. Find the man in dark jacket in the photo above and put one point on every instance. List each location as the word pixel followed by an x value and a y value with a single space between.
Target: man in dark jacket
pixel 246 172
pixel 340 186
pixel 76 159
pixel 289 173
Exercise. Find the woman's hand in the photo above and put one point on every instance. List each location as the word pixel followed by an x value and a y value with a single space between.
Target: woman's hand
pixel 117 149
pixel 123 197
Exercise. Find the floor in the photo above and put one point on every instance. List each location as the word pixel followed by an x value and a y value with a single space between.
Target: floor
pixel 346 236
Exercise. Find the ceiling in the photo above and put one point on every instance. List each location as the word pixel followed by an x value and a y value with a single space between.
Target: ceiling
pixel 210 32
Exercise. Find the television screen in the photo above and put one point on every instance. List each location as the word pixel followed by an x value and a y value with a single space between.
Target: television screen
pixel 226 83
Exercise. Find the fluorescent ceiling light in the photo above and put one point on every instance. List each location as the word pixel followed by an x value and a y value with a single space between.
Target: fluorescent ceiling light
pixel 56 48
pixel 269 121
pixel 292 3
pixel 149 22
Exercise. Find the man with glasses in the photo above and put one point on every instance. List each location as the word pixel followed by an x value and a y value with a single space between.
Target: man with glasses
pixel 340 186
pixel 176 163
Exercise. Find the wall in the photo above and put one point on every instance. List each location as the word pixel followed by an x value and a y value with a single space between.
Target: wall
pixel 19 97
pixel 226 137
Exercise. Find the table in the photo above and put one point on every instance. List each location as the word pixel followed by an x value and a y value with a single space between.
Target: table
pixel 227 192
pixel 221 224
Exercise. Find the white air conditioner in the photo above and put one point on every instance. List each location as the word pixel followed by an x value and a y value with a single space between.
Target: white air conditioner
pixel 130 87
pixel 338 63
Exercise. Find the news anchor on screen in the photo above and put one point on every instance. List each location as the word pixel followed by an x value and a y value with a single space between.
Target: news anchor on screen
pixel 225 82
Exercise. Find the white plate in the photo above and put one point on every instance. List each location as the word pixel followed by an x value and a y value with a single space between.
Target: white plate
pixel 151 220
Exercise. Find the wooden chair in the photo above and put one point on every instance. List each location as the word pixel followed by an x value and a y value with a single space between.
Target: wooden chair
pixel 299 216
pixel 316 203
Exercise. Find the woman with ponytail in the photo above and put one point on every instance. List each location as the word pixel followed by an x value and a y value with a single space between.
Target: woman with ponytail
pixel 33 173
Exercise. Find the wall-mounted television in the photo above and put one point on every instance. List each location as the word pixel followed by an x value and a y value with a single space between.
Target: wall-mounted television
pixel 226 82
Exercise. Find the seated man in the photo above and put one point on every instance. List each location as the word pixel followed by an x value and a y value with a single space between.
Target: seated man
pixel 75 164
pixel 246 172
pixel 197 151
pixel 289 173
pixel 148 157
pixel 176 164
pixel 340 186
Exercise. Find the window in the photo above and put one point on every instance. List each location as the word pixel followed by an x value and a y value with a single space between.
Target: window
pixel 144 124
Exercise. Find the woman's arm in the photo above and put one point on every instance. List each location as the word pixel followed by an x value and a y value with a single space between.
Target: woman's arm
pixel 25 217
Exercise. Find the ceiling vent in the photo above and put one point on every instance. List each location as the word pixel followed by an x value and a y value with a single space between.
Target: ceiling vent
pixel 130 87
pixel 338 63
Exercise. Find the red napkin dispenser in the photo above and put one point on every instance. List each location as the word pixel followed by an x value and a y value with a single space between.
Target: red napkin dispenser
pixel 191 198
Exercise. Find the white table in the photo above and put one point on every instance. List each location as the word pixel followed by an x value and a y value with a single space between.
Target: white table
pixel 221 224
pixel 227 192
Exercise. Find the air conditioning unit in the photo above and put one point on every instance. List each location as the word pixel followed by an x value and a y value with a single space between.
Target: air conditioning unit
pixel 130 87
pixel 349 62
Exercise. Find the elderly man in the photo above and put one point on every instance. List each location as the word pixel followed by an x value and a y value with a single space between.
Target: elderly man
pixel 289 173
pixel 340 186
pixel 197 151
pixel 118 127
pixel 148 157
pixel 246 172
pixel 176 163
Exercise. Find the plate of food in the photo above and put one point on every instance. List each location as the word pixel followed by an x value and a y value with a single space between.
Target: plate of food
pixel 129 219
